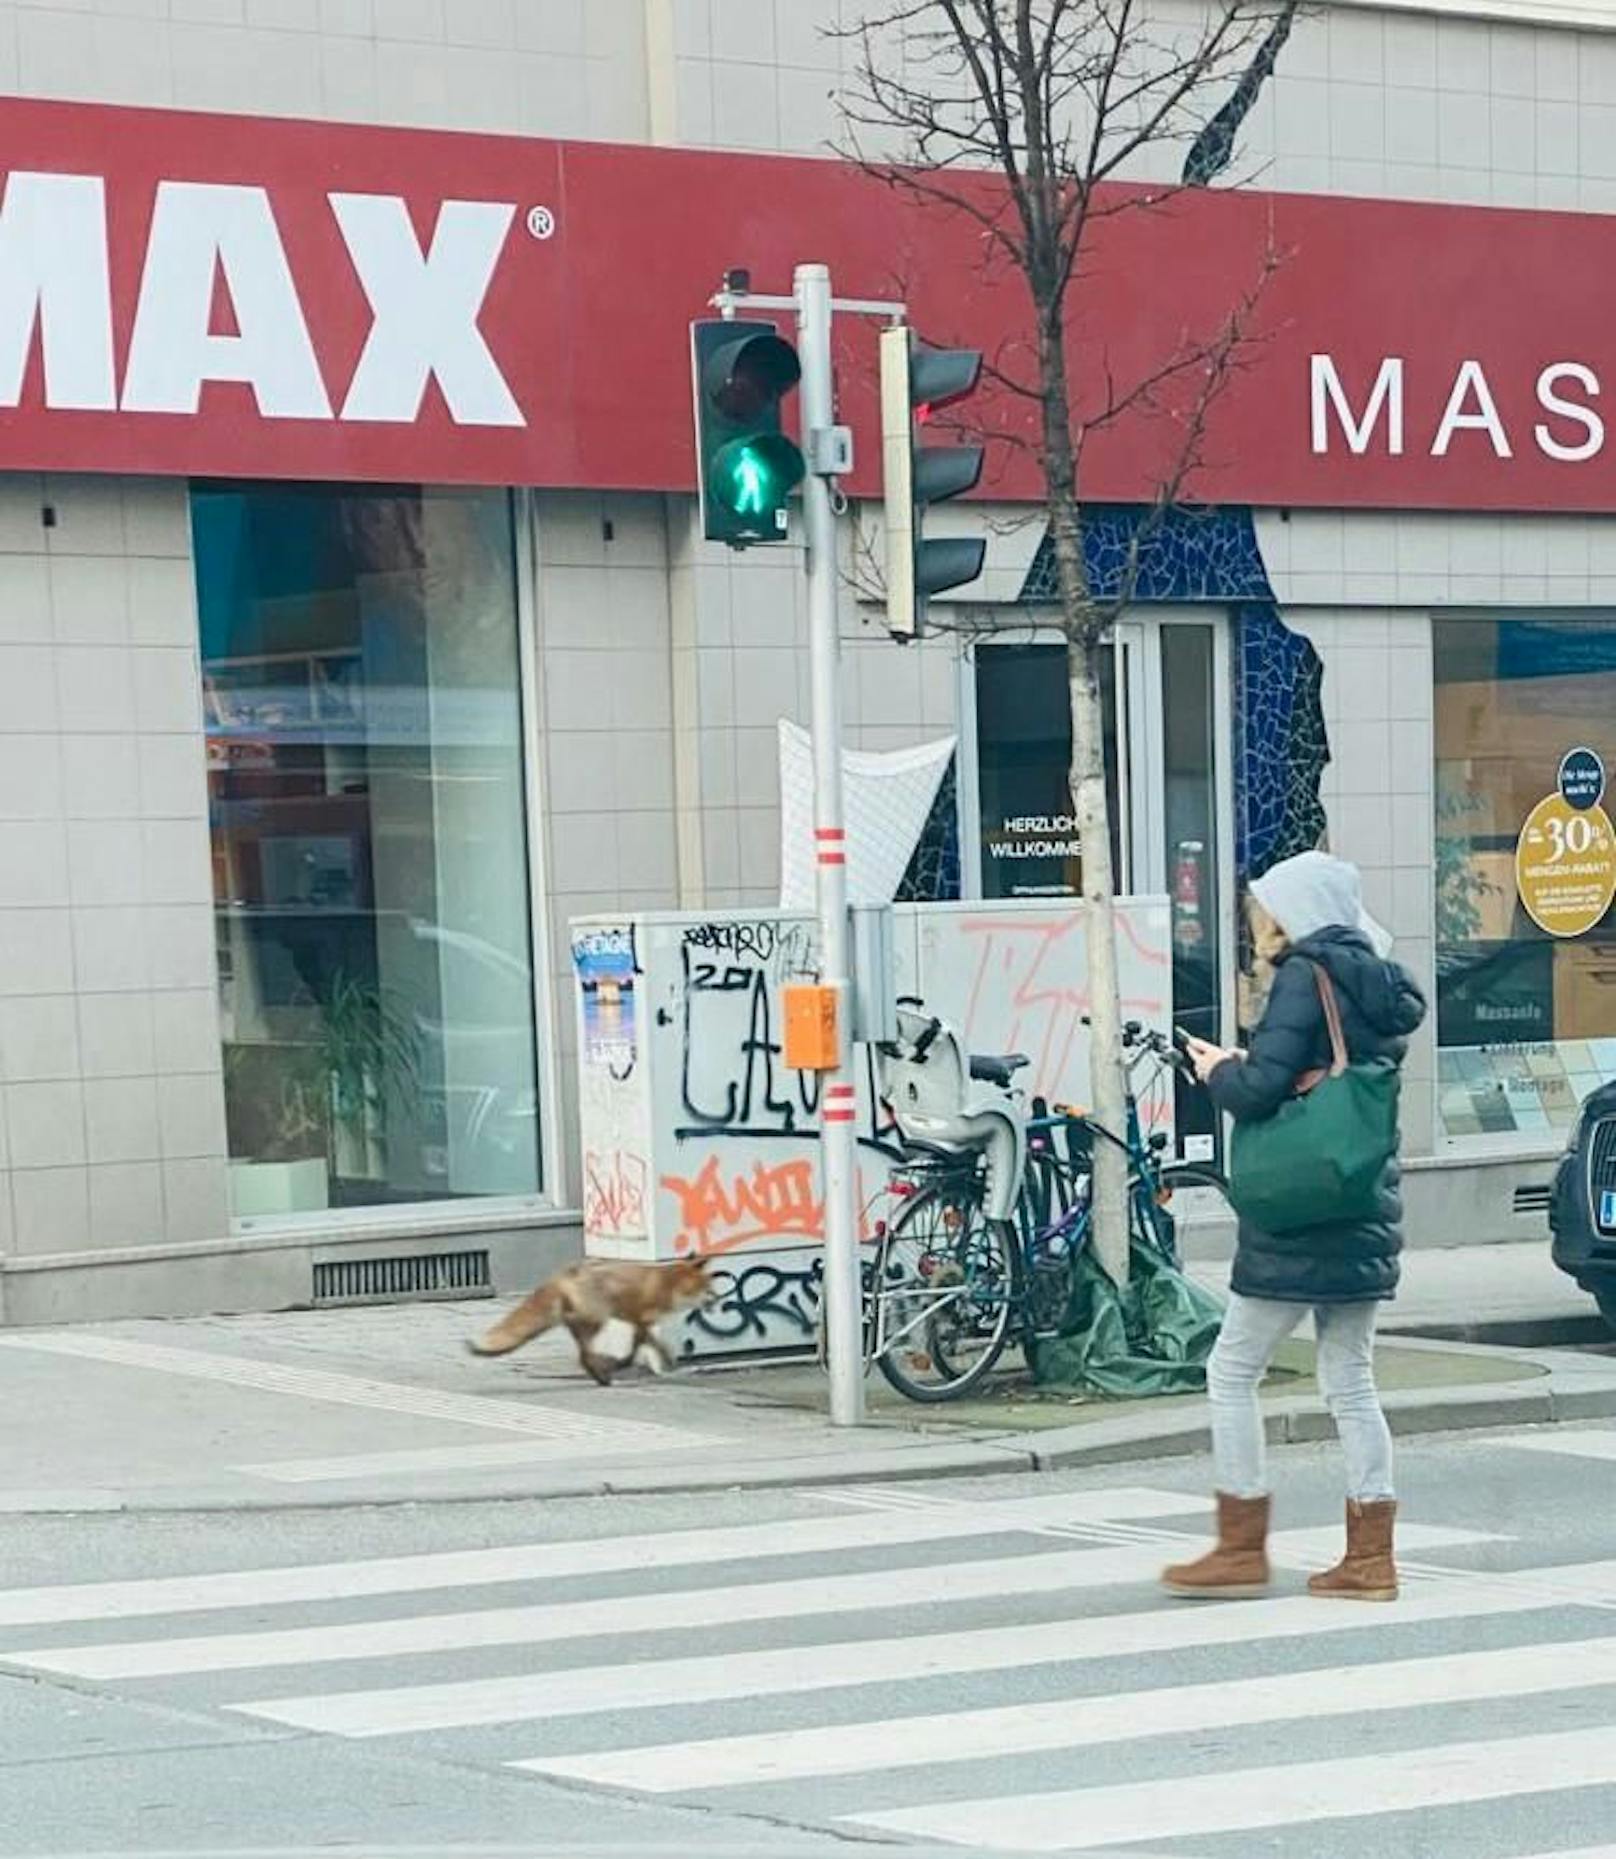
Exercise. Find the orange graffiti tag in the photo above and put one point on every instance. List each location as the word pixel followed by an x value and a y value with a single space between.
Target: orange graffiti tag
pixel 771 1200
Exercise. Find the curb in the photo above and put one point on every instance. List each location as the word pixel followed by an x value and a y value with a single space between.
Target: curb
pixel 1568 1331
pixel 1560 1396
pixel 1567 1393
pixel 886 1465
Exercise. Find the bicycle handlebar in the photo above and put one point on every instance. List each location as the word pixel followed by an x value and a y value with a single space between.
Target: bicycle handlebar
pixel 1141 1039
pixel 1136 1038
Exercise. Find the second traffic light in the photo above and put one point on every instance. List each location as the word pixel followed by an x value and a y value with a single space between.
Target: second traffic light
pixel 747 467
pixel 915 380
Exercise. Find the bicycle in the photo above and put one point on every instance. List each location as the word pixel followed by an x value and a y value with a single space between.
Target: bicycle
pixel 996 1206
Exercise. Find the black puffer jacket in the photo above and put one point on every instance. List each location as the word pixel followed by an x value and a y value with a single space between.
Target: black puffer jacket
pixel 1381 1005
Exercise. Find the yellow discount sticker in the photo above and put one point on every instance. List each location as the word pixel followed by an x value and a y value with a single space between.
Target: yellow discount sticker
pixel 1565 866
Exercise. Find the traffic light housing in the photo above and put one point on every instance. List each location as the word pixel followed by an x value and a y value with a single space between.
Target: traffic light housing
pixel 915 380
pixel 747 467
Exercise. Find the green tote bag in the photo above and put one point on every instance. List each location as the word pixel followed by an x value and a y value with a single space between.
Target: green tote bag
pixel 1318 1160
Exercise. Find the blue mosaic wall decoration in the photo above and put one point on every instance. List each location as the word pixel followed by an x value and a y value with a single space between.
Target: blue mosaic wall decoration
pixel 1194 555
pixel 1213 149
pixel 1282 745
pixel 933 874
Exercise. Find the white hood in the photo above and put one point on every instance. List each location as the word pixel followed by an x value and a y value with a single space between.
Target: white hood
pixel 1313 892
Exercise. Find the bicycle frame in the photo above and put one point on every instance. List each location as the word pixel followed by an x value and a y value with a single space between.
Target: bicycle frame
pixel 1037 1237
pixel 956 1142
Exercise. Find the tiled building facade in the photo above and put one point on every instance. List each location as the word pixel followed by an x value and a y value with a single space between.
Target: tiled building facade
pixel 654 667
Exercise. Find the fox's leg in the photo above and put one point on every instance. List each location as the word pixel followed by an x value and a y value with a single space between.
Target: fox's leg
pixel 650 1345
pixel 597 1366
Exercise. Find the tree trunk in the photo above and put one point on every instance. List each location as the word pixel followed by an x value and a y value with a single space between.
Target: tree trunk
pixel 1091 805
pixel 1107 1087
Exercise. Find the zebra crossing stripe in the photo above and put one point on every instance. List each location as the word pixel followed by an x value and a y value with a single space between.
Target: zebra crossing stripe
pixel 1246 1800
pixel 342 1581
pixel 878 1590
pixel 776 1672
pixel 1080 1723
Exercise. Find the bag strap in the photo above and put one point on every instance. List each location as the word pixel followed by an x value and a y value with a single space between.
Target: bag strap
pixel 1332 1019
pixel 1310 1081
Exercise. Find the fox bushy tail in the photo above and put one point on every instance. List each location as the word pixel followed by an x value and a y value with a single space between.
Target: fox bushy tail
pixel 535 1314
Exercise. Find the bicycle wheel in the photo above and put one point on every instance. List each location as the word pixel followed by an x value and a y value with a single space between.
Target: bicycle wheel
pixel 1183 1176
pixel 944 1294
pixel 1171 1180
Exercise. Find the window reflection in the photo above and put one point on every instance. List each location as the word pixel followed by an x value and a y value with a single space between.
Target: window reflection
pixel 360 671
pixel 1526 1022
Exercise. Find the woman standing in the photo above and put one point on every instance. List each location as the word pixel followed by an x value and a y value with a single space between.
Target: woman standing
pixel 1308 922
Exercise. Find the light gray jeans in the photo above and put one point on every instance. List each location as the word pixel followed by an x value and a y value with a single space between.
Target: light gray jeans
pixel 1253 1328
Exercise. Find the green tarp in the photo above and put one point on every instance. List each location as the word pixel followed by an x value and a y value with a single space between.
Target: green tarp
pixel 1153 1337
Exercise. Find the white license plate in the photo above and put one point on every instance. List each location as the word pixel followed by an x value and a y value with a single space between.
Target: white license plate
pixel 1607 1209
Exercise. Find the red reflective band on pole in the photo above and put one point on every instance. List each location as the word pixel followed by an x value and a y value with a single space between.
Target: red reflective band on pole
pixel 841 1104
pixel 832 858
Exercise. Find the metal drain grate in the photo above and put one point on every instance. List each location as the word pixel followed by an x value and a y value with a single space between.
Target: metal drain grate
pixel 376 1281
pixel 1533 1200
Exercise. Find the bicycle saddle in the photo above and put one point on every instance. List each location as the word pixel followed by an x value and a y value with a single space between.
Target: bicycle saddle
pixel 997 1067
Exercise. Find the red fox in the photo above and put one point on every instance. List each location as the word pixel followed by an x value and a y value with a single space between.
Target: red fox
pixel 598 1295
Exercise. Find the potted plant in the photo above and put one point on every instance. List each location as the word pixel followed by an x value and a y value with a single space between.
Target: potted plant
pixel 369 1054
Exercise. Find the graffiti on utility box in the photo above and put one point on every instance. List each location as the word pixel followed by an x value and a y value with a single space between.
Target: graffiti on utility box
pixel 729 1134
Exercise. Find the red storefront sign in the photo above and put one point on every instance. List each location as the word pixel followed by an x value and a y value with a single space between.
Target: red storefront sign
pixel 214 295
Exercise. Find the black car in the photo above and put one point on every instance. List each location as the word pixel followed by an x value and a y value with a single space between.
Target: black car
pixel 1582 1214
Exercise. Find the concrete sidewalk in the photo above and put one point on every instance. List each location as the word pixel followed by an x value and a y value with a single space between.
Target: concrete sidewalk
pixel 383 1405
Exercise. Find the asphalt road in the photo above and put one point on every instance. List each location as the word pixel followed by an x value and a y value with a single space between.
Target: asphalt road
pixel 980 1666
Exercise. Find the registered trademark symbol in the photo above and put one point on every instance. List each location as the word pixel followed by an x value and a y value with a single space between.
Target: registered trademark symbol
pixel 541 223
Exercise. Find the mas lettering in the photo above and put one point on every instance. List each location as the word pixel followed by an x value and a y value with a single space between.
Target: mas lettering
pixel 1370 416
pixel 55 280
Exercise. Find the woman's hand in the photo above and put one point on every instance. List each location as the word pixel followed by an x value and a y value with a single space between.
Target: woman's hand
pixel 1206 1058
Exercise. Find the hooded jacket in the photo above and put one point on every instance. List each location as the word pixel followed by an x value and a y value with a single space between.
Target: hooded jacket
pixel 1381 1005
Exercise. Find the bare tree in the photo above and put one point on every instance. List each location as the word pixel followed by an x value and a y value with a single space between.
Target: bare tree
pixel 1067 102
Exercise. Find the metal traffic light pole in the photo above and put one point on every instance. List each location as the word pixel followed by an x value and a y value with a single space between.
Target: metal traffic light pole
pixel 838 1107
pixel 827 448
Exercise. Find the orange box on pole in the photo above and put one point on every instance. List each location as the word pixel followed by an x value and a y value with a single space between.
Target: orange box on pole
pixel 812 1042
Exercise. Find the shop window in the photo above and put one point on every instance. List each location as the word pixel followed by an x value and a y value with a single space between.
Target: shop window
pixel 360 671
pixel 1526 1019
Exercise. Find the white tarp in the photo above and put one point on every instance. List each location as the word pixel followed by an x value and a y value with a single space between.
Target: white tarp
pixel 886 798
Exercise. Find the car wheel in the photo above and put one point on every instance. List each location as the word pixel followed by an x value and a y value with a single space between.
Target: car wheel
pixel 1606 1301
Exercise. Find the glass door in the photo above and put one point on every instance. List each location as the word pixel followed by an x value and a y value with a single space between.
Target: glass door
pixel 1182 814
pixel 1167 735
pixel 1026 840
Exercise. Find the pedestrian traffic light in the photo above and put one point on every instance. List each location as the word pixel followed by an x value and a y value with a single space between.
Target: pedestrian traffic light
pixel 915 381
pixel 747 468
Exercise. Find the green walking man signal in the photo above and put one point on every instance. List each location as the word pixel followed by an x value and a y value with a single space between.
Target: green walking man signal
pixel 749 478
pixel 747 467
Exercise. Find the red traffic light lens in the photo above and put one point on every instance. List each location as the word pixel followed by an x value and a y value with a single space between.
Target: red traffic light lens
pixel 752 375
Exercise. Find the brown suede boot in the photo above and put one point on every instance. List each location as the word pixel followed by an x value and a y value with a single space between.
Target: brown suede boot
pixel 1368 1571
pixel 1238 1567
